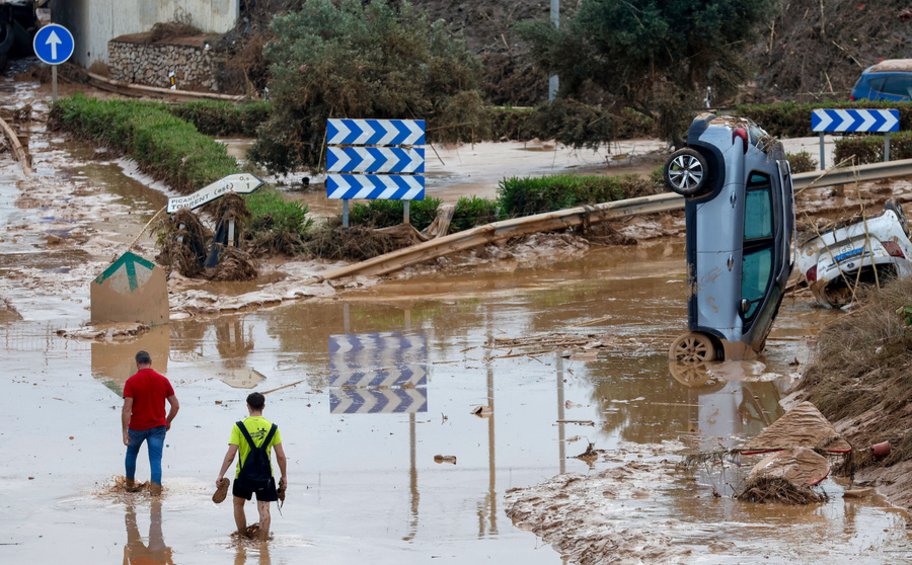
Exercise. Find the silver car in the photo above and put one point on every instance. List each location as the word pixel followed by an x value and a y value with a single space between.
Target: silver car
pixel 740 221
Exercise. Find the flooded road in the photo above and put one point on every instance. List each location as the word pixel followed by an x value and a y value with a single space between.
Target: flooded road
pixel 366 482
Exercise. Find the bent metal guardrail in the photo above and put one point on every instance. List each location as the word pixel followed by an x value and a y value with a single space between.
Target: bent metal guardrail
pixel 561 219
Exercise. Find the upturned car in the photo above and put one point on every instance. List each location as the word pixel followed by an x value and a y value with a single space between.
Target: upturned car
pixel 860 252
pixel 740 223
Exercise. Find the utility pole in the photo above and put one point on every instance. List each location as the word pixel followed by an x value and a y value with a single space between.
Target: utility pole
pixel 553 81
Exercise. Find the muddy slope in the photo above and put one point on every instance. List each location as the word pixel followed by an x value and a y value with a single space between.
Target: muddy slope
pixel 860 381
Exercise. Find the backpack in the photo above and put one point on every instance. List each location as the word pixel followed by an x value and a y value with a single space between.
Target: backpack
pixel 255 470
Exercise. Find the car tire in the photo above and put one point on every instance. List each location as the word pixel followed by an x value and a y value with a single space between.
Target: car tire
pixel 692 348
pixel 686 172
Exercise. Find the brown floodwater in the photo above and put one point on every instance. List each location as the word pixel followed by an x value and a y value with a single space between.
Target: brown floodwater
pixel 368 487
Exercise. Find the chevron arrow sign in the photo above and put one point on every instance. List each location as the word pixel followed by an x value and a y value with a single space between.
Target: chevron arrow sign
pixel 374 160
pixel 854 120
pixel 375 187
pixel 374 132
pixel 378 360
pixel 377 401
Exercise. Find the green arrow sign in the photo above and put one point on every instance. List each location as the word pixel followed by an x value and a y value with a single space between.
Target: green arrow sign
pixel 128 262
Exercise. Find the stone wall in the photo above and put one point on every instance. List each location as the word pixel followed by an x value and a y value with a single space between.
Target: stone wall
pixel 139 62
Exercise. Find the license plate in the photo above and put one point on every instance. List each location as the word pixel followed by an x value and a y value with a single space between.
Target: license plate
pixel 849 254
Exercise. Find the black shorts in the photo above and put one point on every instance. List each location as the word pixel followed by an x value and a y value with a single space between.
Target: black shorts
pixel 243 490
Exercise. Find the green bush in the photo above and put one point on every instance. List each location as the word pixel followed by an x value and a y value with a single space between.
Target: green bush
pixel 869 148
pixel 535 195
pixel 164 146
pixel 801 162
pixel 223 118
pixel 473 211
pixel 388 213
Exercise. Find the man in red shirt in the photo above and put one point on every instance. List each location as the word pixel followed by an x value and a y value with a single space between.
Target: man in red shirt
pixel 143 418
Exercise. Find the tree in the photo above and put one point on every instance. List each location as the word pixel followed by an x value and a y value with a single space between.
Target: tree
pixel 656 56
pixel 382 59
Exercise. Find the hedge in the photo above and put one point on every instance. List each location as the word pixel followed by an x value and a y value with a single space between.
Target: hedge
pixel 869 148
pixel 793 119
pixel 536 195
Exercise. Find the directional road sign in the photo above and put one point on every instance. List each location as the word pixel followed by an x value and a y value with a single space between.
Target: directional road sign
pixel 53 44
pixel 378 360
pixel 240 183
pixel 854 120
pixel 375 187
pixel 377 401
pixel 374 160
pixel 375 132
pixel 131 289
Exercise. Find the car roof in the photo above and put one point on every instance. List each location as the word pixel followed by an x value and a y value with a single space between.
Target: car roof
pixel 892 66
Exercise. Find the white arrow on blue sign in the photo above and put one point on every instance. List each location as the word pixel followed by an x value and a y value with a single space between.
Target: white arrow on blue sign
pixel 53 44
pixel 374 132
pixel 375 187
pixel 377 401
pixel 854 120
pixel 374 160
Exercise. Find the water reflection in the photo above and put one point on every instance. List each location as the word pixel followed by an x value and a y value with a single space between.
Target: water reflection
pixel 252 553
pixel 113 362
pixel 154 550
pixel 234 344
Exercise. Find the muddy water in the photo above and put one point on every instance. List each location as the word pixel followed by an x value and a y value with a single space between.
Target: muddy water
pixel 366 487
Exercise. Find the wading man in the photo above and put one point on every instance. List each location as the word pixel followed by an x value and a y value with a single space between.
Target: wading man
pixel 254 437
pixel 143 418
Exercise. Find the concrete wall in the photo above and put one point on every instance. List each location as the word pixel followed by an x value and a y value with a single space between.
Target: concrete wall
pixel 95 22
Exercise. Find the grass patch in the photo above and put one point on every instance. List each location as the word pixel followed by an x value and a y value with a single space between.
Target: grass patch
pixel 221 118
pixel 536 195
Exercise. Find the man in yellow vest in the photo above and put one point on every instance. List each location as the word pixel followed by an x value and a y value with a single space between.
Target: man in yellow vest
pixel 253 437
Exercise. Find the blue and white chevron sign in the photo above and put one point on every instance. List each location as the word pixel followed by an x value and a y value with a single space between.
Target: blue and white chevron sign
pixel 374 160
pixel 854 120
pixel 374 132
pixel 380 401
pixel 378 360
pixel 375 187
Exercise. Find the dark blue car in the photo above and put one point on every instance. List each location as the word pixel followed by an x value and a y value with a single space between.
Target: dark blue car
pixel 887 80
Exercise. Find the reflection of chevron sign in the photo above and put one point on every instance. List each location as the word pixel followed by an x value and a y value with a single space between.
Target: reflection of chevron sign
pixel 374 160
pixel 374 132
pixel 375 187
pixel 377 401
pixel 855 120
pixel 377 359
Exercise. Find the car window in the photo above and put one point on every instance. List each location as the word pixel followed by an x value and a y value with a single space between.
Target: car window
pixel 758 208
pixel 755 274
pixel 898 85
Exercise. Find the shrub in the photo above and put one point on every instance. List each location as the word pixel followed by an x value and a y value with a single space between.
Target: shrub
pixel 793 119
pixel 535 195
pixel 223 118
pixel 473 211
pixel 388 213
pixel 869 148
pixel 801 162
pixel 163 145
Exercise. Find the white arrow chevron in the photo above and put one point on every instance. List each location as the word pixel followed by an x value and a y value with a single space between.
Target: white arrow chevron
pixel 891 122
pixel 868 121
pixel 390 130
pixel 366 132
pixel 342 132
pixel 846 120
pixel 416 134
pixel 825 120
pixel 345 401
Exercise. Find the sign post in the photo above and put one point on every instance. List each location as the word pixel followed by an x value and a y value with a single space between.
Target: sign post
pixel 854 120
pixel 240 183
pixel 378 159
pixel 53 44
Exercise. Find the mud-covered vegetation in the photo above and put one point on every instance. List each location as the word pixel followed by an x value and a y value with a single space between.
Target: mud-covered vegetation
pixel 859 378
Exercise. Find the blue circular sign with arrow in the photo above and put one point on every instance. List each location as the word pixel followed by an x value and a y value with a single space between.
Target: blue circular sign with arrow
pixel 53 44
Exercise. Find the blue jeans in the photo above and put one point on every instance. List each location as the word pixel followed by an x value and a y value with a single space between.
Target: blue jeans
pixel 156 439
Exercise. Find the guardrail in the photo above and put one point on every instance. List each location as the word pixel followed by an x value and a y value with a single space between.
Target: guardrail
pixel 561 219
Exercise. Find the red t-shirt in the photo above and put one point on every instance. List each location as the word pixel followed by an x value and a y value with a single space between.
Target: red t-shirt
pixel 148 390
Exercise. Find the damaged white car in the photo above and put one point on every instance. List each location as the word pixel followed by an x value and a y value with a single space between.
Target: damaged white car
pixel 868 251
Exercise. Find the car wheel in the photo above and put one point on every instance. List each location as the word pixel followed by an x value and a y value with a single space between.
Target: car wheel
pixel 692 347
pixel 686 173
